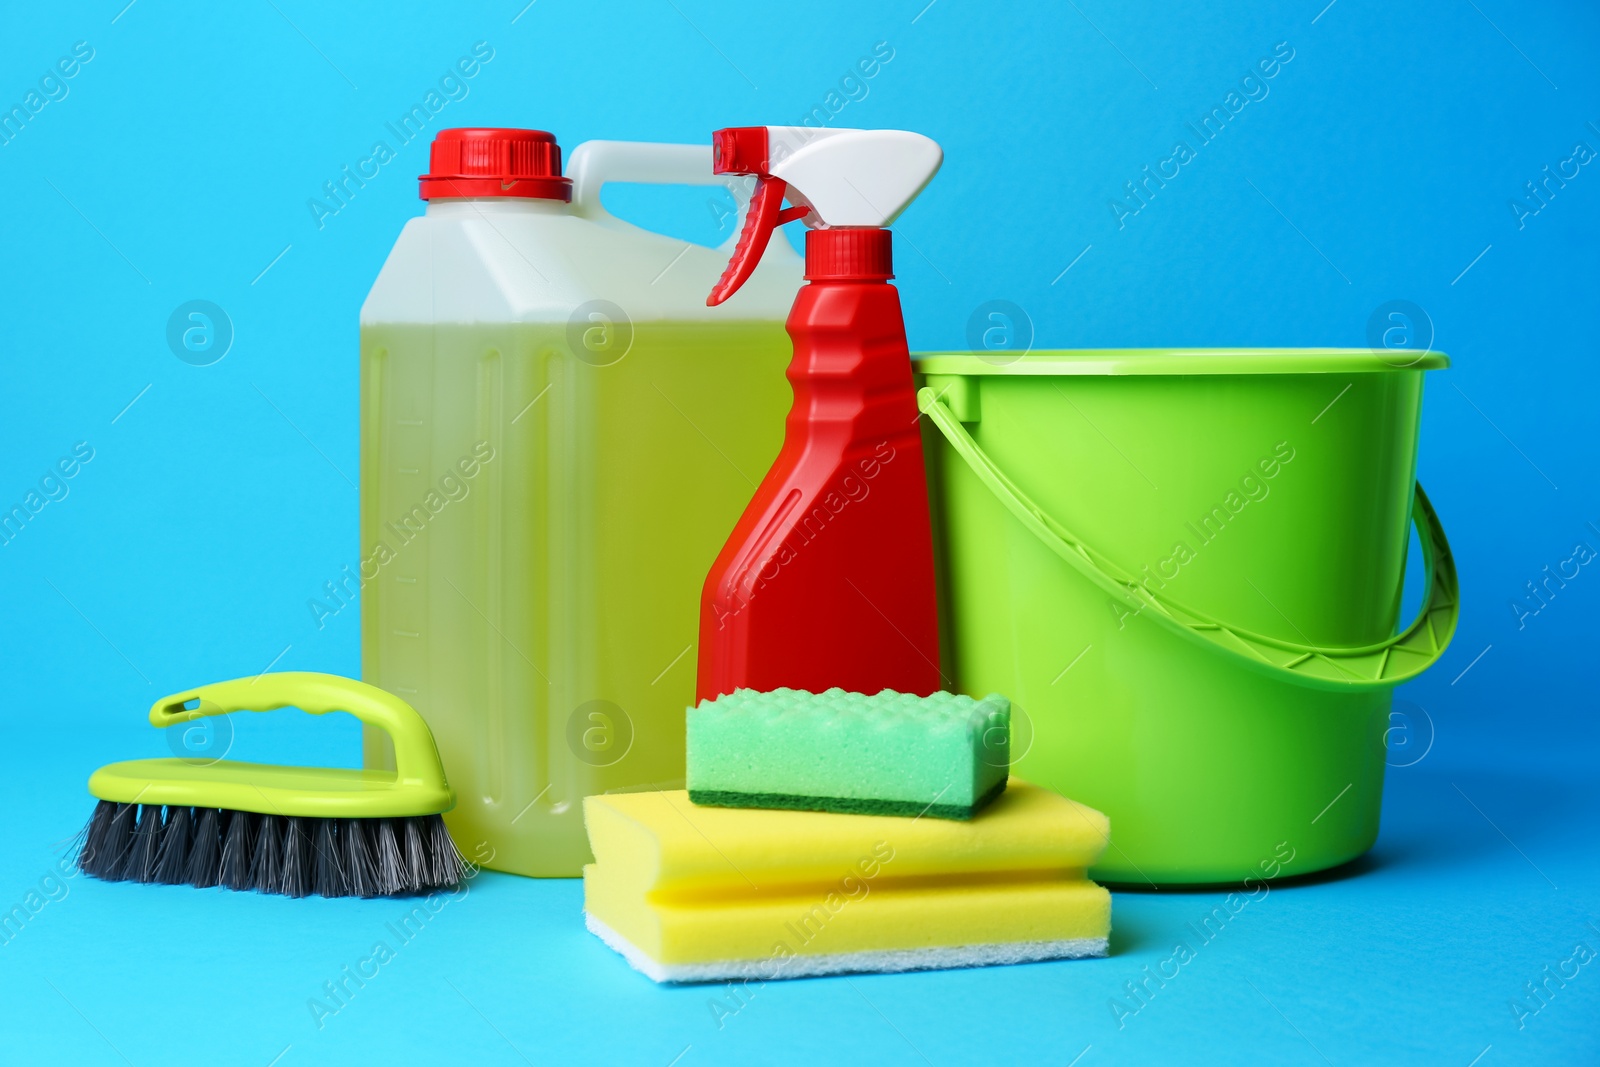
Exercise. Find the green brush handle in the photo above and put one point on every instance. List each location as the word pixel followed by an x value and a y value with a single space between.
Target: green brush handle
pixel 416 787
pixel 416 759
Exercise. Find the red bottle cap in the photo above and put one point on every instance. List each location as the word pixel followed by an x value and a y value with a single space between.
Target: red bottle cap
pixel 849 254
pixel 495 162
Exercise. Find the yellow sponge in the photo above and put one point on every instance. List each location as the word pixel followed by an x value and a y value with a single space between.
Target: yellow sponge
pixel 690 893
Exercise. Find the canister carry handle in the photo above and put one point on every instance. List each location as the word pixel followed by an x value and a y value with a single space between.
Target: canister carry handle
pixel 416 758
pixel 1381 665
pixel 594 163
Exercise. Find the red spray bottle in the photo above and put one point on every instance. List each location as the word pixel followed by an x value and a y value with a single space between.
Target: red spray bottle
pixel 828 580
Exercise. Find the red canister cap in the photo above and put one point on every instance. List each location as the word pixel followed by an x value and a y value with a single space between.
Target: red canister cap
pixel 495 162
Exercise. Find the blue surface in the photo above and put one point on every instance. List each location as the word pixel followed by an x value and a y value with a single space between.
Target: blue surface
pixel 1380 163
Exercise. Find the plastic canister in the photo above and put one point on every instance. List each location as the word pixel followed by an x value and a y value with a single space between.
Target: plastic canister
pixel 556 436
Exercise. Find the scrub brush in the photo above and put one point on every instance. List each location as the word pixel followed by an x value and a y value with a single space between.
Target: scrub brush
pixel 289 830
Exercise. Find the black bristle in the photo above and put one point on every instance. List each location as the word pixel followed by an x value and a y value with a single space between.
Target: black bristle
pixel 141 864
pixel 328 880
pixel 387 861
pixel 205 850
pixel 92 856
pixel 291 855
pixel 307 843
pixel 361 876
pixel 94 834
pixel 306 840
pixel 118 843
pixel 237 843
pixel 267 863
pixel 172 860
pixel 446 866
pixel 414 853
pixel 294 879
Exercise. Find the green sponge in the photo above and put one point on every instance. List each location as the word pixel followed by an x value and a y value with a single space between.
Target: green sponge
pixel 891 754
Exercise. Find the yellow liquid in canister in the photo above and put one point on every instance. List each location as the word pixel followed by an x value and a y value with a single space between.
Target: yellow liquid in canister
pixel 535 531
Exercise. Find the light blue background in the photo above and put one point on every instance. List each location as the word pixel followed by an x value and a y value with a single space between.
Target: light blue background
pixel 1380 166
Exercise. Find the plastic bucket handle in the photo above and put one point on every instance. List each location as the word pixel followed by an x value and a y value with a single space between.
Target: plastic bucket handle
pixel 1381 665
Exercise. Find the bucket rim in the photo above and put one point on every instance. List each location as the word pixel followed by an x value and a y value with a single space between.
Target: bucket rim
pixel 1180 362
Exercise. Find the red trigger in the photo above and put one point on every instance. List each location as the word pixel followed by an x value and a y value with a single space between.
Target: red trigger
pixel 763 217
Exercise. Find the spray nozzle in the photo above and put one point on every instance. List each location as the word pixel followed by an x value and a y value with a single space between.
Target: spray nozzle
pixel 833 179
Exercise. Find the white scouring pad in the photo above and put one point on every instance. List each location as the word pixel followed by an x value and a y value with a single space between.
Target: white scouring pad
pixel 886 961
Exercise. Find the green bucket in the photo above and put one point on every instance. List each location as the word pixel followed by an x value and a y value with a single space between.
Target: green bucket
pixel 1185 569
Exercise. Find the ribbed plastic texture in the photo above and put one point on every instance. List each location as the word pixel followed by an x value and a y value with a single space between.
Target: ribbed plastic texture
pixel 849 255
pixel 495 162
pixel 739 150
